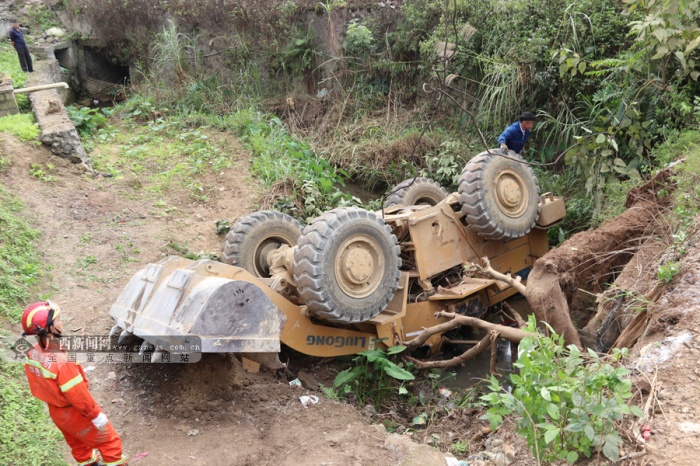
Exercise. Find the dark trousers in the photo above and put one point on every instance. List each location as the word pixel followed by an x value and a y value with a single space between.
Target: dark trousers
pixel 25 60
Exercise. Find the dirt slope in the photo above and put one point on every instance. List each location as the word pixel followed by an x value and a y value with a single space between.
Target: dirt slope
pixel 668 369
pixel 96 233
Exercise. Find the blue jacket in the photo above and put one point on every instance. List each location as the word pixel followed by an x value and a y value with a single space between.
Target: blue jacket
pixel 514 137
pixel 18 38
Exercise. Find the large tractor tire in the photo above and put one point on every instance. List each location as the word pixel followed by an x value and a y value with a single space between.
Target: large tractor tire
pixel 346 265
pixel 254 236
pixel 499 196
pixel 418 191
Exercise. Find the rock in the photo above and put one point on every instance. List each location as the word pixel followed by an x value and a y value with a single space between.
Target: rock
pixel 111 375
pixel 56 32
pixel 307 380
pixel 369 409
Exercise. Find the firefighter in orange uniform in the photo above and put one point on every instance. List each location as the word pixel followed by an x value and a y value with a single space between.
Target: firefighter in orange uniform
pixel 64 387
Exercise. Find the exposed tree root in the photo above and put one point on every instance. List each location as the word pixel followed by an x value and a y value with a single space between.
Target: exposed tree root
pixel 490 340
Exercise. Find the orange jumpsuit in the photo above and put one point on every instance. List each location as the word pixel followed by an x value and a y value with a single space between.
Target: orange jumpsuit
pixel 64 387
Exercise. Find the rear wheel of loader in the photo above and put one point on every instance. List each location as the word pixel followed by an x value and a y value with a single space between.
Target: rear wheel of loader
pixel 254 236
pixel 346 265
pixel 499 196
pixel 418 191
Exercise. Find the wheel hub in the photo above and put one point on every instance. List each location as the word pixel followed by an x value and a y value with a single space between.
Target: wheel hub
pixel 511 193
pixel 359 266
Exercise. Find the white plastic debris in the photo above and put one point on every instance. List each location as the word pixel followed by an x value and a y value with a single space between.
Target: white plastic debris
pixel 295 383
pixel 446 392
pixel 307 400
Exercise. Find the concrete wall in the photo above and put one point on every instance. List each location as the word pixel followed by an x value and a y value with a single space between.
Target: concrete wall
pixel 8 103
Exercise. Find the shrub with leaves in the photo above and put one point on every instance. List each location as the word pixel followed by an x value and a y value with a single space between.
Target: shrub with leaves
pixel 373 376
pixel 86 120
pixel 565 402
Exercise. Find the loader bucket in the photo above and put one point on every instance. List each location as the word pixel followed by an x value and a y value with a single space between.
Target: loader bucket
pixel 180 297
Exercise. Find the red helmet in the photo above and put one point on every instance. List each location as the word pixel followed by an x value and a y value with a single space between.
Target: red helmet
pixel 38 317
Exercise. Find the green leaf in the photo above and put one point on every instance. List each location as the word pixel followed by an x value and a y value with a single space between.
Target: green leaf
pixel 395 349
pixel 392 370
pixel 575 427
pixel 550 435
pixel 403 390
pixel 571 457
pixel 611 451
pixel 600 139
pixel 637 411
pixel 545 394
pixel 660 53
pixel 553 411
pixel 346 376
pixel 590 433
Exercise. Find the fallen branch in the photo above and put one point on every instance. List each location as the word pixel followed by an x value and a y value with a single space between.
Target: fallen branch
pixel 507 278
pixel 516 315
pixel 457 320
pixel 494 352
pixel 457 360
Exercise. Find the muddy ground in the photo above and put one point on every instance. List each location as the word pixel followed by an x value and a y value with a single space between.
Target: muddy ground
pixel 98 231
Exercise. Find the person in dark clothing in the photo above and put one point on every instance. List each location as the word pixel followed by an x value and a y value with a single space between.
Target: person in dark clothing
pixel 515 135
pixel 17 39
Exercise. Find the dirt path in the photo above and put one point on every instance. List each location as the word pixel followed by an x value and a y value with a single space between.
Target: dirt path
pixel 96 233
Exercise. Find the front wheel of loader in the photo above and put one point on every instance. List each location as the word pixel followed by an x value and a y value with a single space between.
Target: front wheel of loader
pixel 254 236
pixel 416 191
pixel 499 196
pixel 346 265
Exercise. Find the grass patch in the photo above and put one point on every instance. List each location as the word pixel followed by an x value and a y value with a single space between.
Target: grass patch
pixel 27 435
pixel 19 260
pixel 9 64
pixel 21 125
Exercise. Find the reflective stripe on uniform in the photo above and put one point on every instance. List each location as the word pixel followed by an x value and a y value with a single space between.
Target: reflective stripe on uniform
pixel 117 463
pixel 46 373
pixel 71 383
pixel 91 460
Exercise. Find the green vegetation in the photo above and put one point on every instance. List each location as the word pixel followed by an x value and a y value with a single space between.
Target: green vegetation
pixel 86 120
pixel 21 415
pixel 9 64
pixel 21 125
pixel 566 403
pixel 19 260
pixel 42 171
pixel 374 376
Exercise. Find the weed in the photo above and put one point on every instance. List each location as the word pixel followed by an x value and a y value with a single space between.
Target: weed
pixel 329 392
pixel 223 226
pixel 86 262
pixel 21 125
pixel 367 379
pixel 41 172
pixel 668 271
pixel 5 164
pixel 566 403
pixel 86 120
pixel 460 447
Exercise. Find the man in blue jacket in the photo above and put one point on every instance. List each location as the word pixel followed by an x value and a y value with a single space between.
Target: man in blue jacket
pixel 515 135
pixel 17 39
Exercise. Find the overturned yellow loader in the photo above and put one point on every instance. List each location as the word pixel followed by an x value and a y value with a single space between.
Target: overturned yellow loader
pixel 351 279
